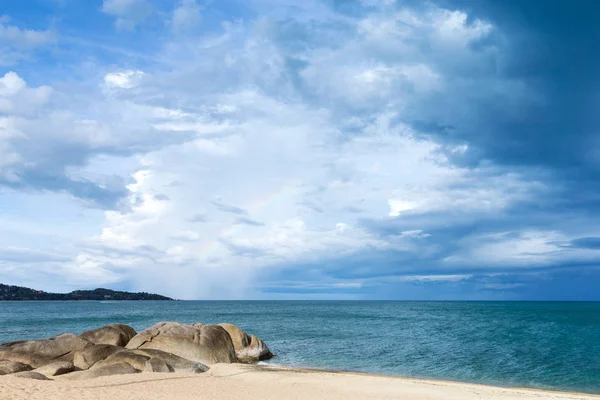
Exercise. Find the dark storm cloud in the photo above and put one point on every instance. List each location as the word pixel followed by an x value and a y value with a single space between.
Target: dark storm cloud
pixel 548 48
pixel 94 194
pixel 592 243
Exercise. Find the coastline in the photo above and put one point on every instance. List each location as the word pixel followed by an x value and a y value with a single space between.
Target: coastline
pixel 433 337
pixel 277 367
pixel 239 381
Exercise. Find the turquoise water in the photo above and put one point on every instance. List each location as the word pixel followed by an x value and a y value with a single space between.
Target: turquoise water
pixel 538 345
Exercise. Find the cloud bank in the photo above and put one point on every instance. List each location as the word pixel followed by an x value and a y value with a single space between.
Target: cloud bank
pixel 298 150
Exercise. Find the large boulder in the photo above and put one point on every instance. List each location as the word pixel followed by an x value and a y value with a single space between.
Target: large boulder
pixel 256 351
pixel 137 361
pixel 102 370
pixel 37 353
pixel 32 375
pixel 86 358
pixel 114 334
pixel 207 344
pixel 248 349
pixel 56 368
pixel 11 367
pixel 179 364
pixel 239 338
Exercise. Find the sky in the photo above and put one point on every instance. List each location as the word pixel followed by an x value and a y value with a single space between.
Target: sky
pixel 302 149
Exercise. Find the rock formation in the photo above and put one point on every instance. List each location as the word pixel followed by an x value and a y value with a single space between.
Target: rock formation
pixel 32 375
pixel 114 334
pixel 12 367
pixel 56 368
pixel 179 364
pixel 248 349
pixel 37 353
pixel 102 370
pixel 157 365
pixel 86 358
pixel 118 349
pixel 208 344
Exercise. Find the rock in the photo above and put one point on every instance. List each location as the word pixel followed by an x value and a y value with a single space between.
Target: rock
pixel 102 370
pixel 216 339
pixel 32 375
pixel 208 344
pixel 157 365
pixel 11 367
pixel 56 368
pixel 41 352
pixel 239 338
pixel 114 334
pixel 137 361
pixel 248 349
pixel 179 364
pixel 86 358
pixel 256 351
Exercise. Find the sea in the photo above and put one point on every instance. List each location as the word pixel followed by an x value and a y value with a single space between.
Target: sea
pixel 546 345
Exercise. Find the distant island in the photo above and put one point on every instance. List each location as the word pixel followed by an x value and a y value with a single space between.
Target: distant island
pixel 18 293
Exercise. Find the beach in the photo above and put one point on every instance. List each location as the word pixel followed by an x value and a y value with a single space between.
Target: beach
pixel 237 382
pixel 509 344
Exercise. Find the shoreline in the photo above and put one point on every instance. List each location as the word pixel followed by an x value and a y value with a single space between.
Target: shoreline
pixel 267 382
pixel 276 367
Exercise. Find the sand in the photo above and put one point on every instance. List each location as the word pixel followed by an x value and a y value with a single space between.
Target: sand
pixel 237 382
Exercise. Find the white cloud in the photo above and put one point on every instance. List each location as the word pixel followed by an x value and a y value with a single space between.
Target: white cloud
pixel 46 144
pixel 25 38
pixel 452 28
pixel 440 27
pixel 123 80
pixel 128 13
pixel 274 163
pixel 186 16
pixel 528 248
pixel 281 165
pixel 17 102
pixel 17 44
pixel 17 99
pixel 432 278
pixel 398 206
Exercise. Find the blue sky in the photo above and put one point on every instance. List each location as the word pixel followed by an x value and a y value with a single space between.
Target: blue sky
pixel 287 149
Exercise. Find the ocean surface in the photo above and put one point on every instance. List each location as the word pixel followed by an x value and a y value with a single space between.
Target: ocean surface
pixel 528 344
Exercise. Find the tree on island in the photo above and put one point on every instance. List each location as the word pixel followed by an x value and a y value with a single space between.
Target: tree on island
pixel 18 293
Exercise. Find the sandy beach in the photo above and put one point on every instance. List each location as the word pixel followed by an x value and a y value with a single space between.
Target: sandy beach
pixel 237 382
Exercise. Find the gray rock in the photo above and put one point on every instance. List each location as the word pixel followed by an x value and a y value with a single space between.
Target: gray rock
pixel 56 368
pixel 32 375
pixel 137 361
pixel 114 334
pixel 157 365
pixel 102 370
pixel 41 352
pixel 11 367
pixel 86 358
pixel 256 351
pixel 179 364
pixel 207 344
pixel 239 338
pixel 248 349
